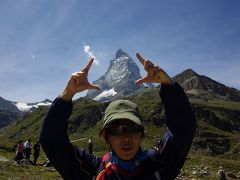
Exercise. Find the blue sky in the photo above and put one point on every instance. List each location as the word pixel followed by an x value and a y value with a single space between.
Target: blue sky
pixel 42 42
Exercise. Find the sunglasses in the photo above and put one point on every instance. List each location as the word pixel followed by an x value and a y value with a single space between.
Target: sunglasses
pixel 122 129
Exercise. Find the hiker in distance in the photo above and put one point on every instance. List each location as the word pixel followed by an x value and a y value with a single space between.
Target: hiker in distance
pixel 90 145
pixel 123 130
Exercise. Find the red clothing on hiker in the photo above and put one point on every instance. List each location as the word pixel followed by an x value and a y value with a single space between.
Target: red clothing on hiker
pixel 20 147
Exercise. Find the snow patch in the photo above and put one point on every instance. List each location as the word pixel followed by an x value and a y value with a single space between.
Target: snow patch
pixel 120 59
pixel 105 94
pixel 119 78
pixel 44 104
pixel 25 107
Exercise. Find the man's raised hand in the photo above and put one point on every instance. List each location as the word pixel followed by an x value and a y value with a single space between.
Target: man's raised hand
pixel 78 82
pixel 154 73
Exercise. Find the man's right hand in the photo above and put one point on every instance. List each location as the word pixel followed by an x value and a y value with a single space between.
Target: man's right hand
pixel 78 82
pixel 155 74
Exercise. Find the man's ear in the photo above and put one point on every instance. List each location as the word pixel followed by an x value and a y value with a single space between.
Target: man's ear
pixel 104 134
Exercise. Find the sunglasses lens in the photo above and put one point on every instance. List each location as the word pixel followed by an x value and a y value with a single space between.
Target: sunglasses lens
pixel 123 129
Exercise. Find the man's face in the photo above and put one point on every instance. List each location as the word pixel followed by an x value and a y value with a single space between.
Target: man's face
pixel 127 143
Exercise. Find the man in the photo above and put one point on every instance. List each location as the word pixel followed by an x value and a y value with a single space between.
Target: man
pixel 123 130
pixel 36 149
pixel 90 145
pixel 20 151
pixel 28 148
pixel 221 173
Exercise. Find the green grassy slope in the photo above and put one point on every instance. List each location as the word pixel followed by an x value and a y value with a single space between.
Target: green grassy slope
pixel 216 140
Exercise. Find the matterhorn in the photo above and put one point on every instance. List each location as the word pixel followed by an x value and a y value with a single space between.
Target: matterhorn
pixel 119 80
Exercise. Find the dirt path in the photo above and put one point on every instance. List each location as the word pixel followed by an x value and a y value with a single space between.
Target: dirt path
pixel 80 139
pixel 3 158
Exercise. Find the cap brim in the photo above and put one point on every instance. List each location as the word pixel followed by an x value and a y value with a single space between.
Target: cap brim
pixel 124 115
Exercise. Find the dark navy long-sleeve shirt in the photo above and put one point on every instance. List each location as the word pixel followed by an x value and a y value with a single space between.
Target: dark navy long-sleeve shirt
pixel 167 157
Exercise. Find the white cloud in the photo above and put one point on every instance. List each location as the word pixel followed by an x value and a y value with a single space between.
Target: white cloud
pixel 33 57
pixel 87 50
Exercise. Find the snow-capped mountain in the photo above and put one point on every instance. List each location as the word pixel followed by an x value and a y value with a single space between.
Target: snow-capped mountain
pixel 19 107
pixel 11 111
pixel 119 80
pixel 5 104
pixel 23 107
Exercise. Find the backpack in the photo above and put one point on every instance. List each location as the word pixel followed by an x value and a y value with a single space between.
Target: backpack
pixel 110 170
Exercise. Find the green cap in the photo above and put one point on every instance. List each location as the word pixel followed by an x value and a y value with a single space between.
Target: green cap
pixel 121 109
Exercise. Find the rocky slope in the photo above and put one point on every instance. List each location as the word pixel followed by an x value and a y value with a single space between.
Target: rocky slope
pixel 204 87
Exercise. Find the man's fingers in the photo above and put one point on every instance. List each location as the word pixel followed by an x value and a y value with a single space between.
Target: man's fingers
pixel 142 80
pixel 93 86
pixel 142 61
pixel 139 81
pixel 148 65
pixel 156 70
pixel 88 65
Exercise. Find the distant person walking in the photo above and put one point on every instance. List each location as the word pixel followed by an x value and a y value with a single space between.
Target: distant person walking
pixel 221 173
pixel 19 151
pixel 90 145
pixel 28 147
pixel 36 149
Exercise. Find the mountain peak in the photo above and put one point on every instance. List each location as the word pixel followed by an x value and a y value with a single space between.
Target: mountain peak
pixel 119 53
pixel 119 80
pixel 189 73
pixel 195 83
pixel 185 76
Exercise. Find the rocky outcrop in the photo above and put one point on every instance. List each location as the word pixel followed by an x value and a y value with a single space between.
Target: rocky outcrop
pixel 204 87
